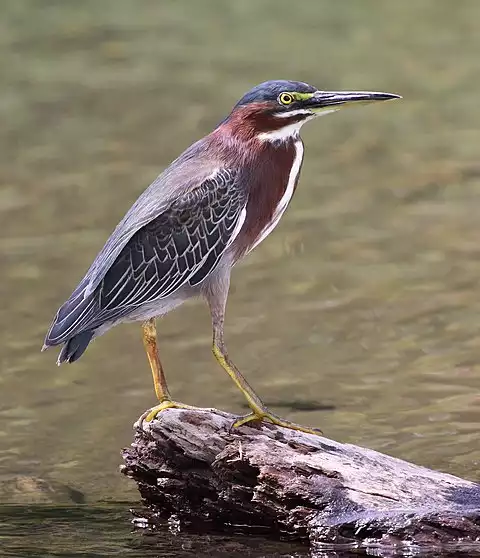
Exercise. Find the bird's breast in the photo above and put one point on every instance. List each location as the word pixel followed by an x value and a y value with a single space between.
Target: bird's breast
pixel 271 179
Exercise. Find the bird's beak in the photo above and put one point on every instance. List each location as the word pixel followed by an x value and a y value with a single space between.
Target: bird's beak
pixel 334 100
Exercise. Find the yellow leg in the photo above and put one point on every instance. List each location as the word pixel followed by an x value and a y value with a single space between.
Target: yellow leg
pixel 150 344
pixel 159 381
pixel 259 410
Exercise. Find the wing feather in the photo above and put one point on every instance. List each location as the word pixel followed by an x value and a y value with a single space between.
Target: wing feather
pixel 182 245
pixel 189 170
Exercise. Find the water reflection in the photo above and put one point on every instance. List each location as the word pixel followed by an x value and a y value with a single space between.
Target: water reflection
pixel 104 530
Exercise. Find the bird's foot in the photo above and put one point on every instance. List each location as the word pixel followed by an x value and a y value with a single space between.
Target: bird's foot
pixel 167 404
pixel 264 414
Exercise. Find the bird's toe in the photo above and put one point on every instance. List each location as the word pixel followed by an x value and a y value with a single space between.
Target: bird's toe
pixel 265 415
pixel 152 413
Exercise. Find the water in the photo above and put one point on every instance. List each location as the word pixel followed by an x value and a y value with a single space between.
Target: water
pixel 359 314
pixel 103 530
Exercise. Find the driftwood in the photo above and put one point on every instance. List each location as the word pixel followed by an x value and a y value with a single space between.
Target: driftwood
pixel 191 466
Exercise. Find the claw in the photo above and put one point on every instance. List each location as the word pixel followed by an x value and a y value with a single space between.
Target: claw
pixel 267 415
pixel 167 404
pixel 257 415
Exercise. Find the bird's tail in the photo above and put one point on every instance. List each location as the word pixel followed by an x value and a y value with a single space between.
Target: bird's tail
pixel 74 348
pixel 72 326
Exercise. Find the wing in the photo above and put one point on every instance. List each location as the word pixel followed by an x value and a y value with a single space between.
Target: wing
pixel 189 170
pixel 182 245
pixel 182 241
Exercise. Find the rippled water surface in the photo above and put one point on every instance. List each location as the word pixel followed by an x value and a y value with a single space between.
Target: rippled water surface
pixel 360 314
pixel 103 530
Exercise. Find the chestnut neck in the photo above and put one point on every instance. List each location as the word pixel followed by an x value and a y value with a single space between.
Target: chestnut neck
pixel 245 123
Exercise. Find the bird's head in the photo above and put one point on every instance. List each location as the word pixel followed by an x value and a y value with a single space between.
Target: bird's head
pixel 276 110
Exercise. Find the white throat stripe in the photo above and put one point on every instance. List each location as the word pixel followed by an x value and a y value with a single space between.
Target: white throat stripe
pixel 292 113
pixel 282 134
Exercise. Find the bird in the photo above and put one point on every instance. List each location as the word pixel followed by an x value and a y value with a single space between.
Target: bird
pixel 205 212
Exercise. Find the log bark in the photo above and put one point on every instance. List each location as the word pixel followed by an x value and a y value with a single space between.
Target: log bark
pixel 191 466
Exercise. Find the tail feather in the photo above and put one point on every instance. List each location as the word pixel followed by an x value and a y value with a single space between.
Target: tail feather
pixel 75 347
pixel 75 316
pixel 73 326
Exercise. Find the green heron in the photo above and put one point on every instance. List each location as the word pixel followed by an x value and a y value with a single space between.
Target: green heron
pixel 206 211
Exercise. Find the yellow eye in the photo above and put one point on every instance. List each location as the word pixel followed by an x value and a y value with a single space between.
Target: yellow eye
pixel 285 98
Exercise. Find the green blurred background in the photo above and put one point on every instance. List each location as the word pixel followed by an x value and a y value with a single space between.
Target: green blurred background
pixel 363 305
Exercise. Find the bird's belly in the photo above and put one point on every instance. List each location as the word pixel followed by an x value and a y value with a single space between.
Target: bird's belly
pixel 159 307
pixel 153 309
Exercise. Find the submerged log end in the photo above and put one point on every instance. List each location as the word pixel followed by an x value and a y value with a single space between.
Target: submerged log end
pixel 190 465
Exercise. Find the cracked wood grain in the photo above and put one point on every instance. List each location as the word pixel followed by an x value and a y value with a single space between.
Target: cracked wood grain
pixel 190 465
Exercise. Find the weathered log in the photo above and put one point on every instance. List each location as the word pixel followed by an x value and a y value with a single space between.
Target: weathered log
pixel 190 465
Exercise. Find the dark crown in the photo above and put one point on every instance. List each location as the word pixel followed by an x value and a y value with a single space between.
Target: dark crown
pixel 270 90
